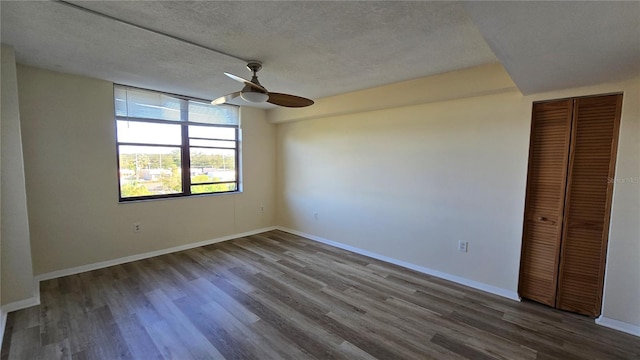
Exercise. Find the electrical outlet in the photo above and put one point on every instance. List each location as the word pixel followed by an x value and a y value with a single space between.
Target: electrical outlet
pixel 261 208
pixel 315 216
pixel 137 227
pixel 463 246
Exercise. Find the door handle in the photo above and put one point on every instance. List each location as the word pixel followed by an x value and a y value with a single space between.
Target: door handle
pixel 545 220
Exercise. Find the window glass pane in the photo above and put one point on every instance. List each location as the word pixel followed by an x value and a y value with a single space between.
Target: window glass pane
pixel 212 132
pixel 213 188
pixel 213 114
pixel 209 165
pixel 150 128
pixel 213 143
pixel 148 133
pixel 149 170
pixel 147 104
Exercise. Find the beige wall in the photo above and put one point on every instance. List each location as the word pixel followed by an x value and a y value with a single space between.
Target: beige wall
pixel 411 181
pixel 478 81
pixel 406 182
pixel 71 177
pixel 16 270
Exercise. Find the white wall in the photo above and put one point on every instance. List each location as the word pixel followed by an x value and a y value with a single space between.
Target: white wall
pixel 409 182
pixel 16 269
pixel 71 177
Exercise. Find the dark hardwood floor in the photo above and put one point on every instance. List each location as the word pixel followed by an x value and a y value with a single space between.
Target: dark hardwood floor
pixel 280 296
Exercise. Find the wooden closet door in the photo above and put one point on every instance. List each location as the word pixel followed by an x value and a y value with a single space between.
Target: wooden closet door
pixel 588 202
pixel 546 181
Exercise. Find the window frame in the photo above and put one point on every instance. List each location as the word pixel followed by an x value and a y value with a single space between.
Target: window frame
pixel 185 147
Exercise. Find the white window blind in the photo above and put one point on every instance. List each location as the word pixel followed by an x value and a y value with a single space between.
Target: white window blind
pixel 142 104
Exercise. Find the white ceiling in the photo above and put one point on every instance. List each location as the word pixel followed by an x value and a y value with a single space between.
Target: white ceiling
pixel 317 49
pixel 562 44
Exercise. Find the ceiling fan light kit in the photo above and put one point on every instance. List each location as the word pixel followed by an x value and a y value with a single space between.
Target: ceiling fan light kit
pixel 254 92
pixel 254 96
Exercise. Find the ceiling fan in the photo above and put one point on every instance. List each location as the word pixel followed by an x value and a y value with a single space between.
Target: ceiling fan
pixel 256 93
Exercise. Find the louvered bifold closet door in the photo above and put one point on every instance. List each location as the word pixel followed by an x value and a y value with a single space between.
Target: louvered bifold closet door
pixel 546 180
pixel 588 203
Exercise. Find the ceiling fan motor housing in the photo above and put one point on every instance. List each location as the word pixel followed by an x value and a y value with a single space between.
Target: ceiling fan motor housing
pixel 254 66
pixel 250 93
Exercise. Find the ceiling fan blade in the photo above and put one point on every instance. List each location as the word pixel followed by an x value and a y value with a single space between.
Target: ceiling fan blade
pixel 226 98
pixel 287 100
pixel 246 82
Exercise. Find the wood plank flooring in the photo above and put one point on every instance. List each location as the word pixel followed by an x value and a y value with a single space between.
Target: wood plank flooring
pixel 280 296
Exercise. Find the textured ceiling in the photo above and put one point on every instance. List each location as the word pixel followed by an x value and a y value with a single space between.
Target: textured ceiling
pixel 312 49
pixel 316 49
pixel 552 45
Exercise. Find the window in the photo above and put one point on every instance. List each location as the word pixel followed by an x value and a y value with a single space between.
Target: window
pixel 171 146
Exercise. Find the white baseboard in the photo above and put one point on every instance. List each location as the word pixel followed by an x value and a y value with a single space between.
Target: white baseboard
pixel 126 259
pixel 16 305
pixel 457 279
pixel 618 325
pixel 3 325
pixel 22 304
pixel 35 300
